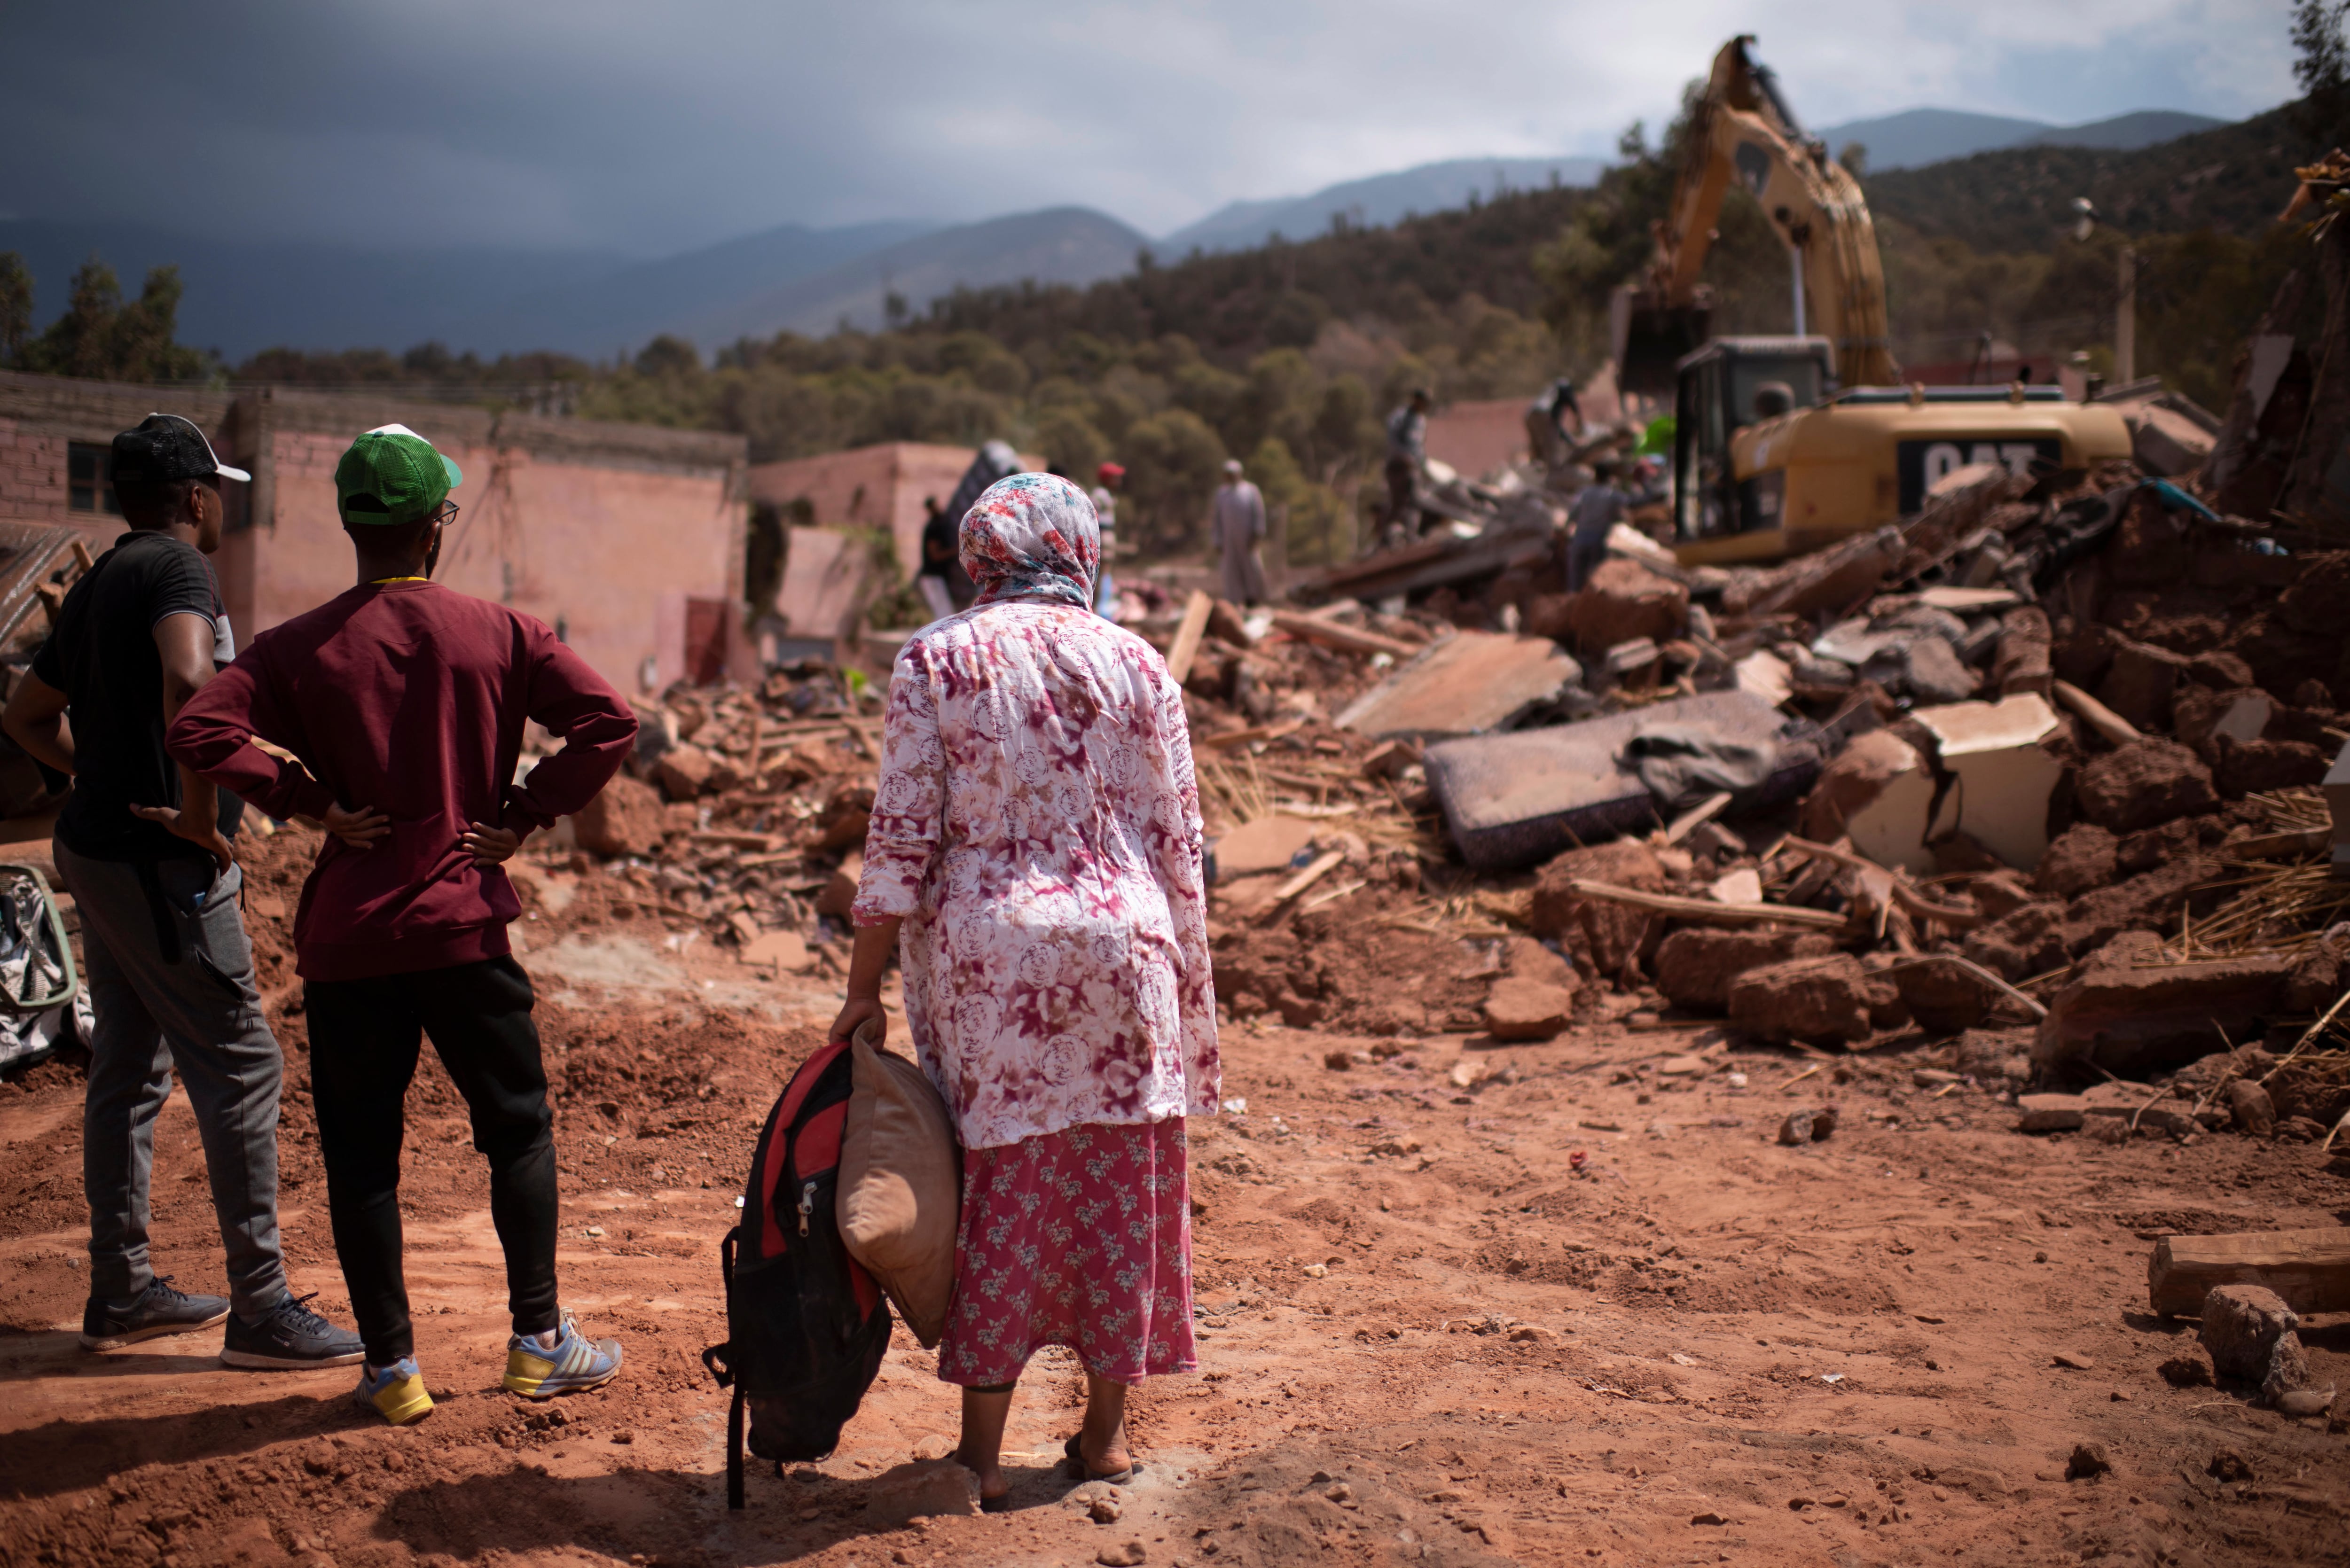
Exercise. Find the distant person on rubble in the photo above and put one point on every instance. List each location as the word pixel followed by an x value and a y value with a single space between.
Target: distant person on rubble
pixel 944 586
pixel 144 849
pixel 1034 861
pixel 1598 507
pixel 1407 461
pixel 407 700
pixel 1240 528
pixel 1108 480
pixel 1549 439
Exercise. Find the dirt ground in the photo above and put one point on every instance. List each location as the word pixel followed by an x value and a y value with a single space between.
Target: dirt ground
pixel 1584 1309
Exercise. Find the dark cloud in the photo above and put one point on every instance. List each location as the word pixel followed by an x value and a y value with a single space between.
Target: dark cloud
pixel 651 128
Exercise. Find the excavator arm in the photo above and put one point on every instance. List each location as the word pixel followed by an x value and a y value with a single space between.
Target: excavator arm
pixel 1743 131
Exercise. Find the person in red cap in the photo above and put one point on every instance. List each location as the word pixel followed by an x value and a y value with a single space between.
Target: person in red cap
pixel 1108 480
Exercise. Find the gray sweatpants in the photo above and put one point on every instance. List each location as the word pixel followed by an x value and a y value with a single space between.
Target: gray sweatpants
pixel 202 1016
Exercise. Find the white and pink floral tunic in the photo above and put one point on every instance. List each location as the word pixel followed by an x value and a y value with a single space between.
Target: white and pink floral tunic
pixel 1037 825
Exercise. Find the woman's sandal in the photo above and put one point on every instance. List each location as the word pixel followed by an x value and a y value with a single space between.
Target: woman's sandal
pixel 1078 1470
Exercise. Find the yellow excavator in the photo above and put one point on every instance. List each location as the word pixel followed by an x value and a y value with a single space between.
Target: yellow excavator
pixel 1783 445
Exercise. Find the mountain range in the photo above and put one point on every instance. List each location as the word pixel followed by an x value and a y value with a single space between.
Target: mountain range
pixel 242 296
pixel 1917 137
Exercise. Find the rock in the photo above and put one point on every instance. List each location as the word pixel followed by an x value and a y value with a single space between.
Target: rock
pixel 2077 859
pixel 2139 682
pixel 1990 1054
pixel 2251 767
pixel 1808 1127
pixel 1824 999
pixel 1943 999
pixel 2321 586
pixel 2133 1016
pixel 1708 1517
pixel 2147 902
pixel 2305 1402
pixel 2074 1361
pixel 2201 714
pixel 925 1489
pixel 684 772
pixel 1523 1008
pixel 2250 1106
pixel 787 951
pixel 1125 1555
pixel 847 816
pixel 2148 781
pixel 1530 960
pixel 1104 1509
pixel 1607 933
pixel 2022 662
pixel 1624 600
pixel 2021 943
pixel 1925 669
pixel 624 818
pixel 1548 615
pixel 2088 1462
pixel 2227 1465
pixel 2143 852
pixel 2000 893
pixel 2127 1103
pixel 1532 1333
pixel 1696 964
pixel 840 892
pixel 2051 1112
pixel 2249 1329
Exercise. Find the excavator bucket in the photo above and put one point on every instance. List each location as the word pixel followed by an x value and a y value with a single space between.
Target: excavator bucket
pixel 1650 337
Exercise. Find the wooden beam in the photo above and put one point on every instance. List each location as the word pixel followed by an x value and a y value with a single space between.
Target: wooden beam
pixel 2309 1269
pixel 2116 730
pixel 1707 911
pixel 1188 635
pixel 1689 821
pixel 1345 638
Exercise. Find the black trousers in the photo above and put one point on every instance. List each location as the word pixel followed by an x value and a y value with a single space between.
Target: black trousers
pixel 364 1038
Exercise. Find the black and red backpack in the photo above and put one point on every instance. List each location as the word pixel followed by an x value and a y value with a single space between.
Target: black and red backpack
pixel 805 1325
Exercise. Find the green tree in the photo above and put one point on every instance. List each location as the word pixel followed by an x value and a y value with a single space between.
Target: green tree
pixel 1172 461
pixel 15 307
pixel 1070 442
pixel 100 337
pixel 2321 43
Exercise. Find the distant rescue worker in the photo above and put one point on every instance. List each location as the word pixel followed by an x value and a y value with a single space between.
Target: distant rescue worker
pixel 1108 480
pixel 1240 526
pixel 144 849
pixel 1549 439
pixel 945 587
pixel 1598 507
pixel 1406 461
pixel 407 700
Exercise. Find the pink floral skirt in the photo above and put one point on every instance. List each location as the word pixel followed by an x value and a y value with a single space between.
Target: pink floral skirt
pixel 1080 1238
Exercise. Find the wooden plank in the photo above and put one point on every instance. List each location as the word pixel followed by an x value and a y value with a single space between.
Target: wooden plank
pixel 1689 821
pixel 1706 911
pixel 1345 638
pixel 2116 730
pixel 2309 1269
pixel 2281 845
pixel 1188 635
pixel 1329 860
pixel 1226 740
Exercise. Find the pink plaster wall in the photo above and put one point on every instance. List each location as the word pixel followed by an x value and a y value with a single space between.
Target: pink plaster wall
pixel 32 484
pixel 870 486
pixel 611 553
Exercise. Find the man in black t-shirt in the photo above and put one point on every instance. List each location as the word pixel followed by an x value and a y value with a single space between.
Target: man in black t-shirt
pixel 144 848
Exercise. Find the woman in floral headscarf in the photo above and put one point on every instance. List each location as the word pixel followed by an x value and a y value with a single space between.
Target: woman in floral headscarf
pixel 1034 860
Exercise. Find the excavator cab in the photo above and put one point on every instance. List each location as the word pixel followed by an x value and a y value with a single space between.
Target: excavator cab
pixel 1719 390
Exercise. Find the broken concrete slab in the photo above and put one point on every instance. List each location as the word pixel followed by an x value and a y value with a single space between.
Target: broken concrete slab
pixel 1471 683
pixel 1625 600
pixel 1270 842
pixel 2336 788
pixel 2004 776
pixel 1512 799
pixel 1876 791
pixel 2132 1014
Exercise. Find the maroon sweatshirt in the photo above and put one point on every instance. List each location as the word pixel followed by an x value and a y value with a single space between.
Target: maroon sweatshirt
pixel 408 698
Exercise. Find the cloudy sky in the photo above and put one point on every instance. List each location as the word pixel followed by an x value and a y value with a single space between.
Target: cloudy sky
pixel 649 128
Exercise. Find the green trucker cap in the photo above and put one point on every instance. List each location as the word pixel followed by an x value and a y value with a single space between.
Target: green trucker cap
pixel 393 475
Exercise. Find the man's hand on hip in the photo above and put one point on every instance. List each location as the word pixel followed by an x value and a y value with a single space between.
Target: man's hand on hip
pixel 202 831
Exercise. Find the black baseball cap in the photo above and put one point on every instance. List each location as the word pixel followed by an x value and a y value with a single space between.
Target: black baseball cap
pixel 162 448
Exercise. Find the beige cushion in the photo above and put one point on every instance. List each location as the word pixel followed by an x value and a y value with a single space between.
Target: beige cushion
pixel 901 1185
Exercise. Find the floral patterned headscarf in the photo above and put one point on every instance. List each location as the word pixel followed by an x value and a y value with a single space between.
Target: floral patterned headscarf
pixel 1032 536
